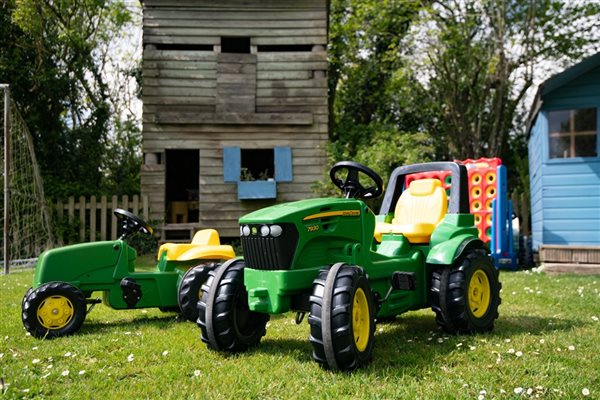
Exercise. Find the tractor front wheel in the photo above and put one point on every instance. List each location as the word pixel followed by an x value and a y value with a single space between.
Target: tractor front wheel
pixel 466 296
pixel 53 309
pixel 190 290
pixel 226 322
pixel 342 318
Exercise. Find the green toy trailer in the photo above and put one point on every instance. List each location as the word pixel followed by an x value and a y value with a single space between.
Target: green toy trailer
pixel 65 278
pixel 334 259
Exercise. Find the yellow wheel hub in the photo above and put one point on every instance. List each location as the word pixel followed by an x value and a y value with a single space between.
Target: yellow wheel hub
pixel 479 293
pixel 55 312
pixel 361 320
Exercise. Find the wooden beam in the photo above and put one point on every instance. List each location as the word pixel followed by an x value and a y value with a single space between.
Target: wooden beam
pixel 235 119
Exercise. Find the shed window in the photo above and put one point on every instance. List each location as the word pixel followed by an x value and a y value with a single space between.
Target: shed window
pixel 257 171
pixel 573 133
pixel 235 44
pixel 257 164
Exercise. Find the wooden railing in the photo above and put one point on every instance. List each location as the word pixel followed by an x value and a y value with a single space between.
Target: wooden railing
pixel 96 218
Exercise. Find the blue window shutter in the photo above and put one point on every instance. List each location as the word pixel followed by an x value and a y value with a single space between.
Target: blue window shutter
pixel 283 164
pixel 231 164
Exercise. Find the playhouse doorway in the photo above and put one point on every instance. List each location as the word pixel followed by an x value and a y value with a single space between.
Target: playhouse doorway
pixel 182 185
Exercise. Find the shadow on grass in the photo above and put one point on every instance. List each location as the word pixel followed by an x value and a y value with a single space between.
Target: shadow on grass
pixel 410 343
pixel 161 322
pixel 406 345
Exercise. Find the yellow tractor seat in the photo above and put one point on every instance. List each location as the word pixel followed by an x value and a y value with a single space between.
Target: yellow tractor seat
pixel 418 211
pixel 205 245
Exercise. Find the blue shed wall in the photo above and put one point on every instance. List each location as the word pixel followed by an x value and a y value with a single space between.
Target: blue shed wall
pixel 536 153
pixel 565 193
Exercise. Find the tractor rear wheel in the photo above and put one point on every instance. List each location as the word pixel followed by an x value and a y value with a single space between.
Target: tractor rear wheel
pixel 53 309
pixel 226 322
pixel 190 290
pixel 342 318
pixel 466 296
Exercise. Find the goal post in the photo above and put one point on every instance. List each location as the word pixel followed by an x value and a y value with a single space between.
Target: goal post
pixel 26 229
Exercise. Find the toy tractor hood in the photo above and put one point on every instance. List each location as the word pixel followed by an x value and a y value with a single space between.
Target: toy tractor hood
pixel 300 210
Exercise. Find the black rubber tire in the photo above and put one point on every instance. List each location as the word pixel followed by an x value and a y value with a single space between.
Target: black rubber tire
pixel 450 297
pixel 27 293
pixel 37 297
pixel 331 318
pixel 190 290
pixel 224 318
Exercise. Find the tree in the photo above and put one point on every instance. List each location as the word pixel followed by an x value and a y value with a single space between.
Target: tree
pixel 482 58
pixel 53 54
pixel 371 108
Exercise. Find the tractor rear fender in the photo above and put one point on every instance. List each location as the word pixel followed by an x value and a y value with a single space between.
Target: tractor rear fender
pixel 447 252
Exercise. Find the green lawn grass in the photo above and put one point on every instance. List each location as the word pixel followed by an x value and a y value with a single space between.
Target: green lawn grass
pixel 545 345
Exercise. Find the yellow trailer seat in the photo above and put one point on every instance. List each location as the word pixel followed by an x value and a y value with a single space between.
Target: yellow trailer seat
pixel 205 245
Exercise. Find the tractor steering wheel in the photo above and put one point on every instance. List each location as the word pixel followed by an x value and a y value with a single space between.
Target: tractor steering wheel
pixel 131 223
pixel 351 186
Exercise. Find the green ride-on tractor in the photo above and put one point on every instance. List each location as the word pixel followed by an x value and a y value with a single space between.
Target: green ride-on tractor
pixel 334 259
pixel 65 278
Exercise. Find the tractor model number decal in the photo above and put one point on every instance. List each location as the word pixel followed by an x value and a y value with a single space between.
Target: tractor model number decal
pixel 341 213
pixel 312 228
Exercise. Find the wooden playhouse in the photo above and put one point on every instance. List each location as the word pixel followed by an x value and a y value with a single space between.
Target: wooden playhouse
pixel 235 110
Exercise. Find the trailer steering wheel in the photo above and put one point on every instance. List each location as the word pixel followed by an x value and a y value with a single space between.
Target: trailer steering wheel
pixel 131 223
pixel 351 186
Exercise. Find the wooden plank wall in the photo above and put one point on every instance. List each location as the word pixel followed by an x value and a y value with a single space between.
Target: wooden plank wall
pixel 183 99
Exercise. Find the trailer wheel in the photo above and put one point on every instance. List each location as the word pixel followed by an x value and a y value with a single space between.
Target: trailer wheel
pixel 53 309
pixel 342 318
pixel 226 322
pixel 466 296
pixel 190 290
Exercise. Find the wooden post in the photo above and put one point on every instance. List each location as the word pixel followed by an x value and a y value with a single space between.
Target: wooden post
pixel 125 200
pixel 103 217
pixel 71 209
pixel 6 250
pixel 81 219
pixel 93 219
pixel 135 208
pixel 113 225
pixel 145 207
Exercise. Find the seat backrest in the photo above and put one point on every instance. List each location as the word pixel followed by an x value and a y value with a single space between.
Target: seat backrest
pixel 207 237
pixel 425 201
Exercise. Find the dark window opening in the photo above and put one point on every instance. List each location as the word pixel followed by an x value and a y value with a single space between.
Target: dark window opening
pixel 573 133
pixel 257 165
pixel 235 44
pixel 184 47
pixel 284 48
pixel 182 185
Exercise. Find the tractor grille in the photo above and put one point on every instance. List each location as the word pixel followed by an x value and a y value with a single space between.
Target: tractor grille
pixel 270 253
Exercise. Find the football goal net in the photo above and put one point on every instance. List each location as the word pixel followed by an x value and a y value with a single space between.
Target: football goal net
pixel 25 221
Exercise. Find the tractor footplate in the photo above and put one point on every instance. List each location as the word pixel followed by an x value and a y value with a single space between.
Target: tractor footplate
pixel 404 281
pixel 132 292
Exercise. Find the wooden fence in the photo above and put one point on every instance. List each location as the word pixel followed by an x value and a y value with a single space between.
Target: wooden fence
pixel 96 218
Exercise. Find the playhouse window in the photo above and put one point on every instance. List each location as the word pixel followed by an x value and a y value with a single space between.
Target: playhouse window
pixel 257 171
pixel 235 44
pixel 257 164
pixel 573 133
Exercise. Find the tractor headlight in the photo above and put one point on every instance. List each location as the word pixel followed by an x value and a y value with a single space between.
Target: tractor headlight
pixel 264 231
pixel 245 230
pixel 276 230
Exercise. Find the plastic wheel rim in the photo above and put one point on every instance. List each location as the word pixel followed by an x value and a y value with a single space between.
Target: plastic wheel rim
pixel 361 322
pixel 479 293
pixel 55 312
